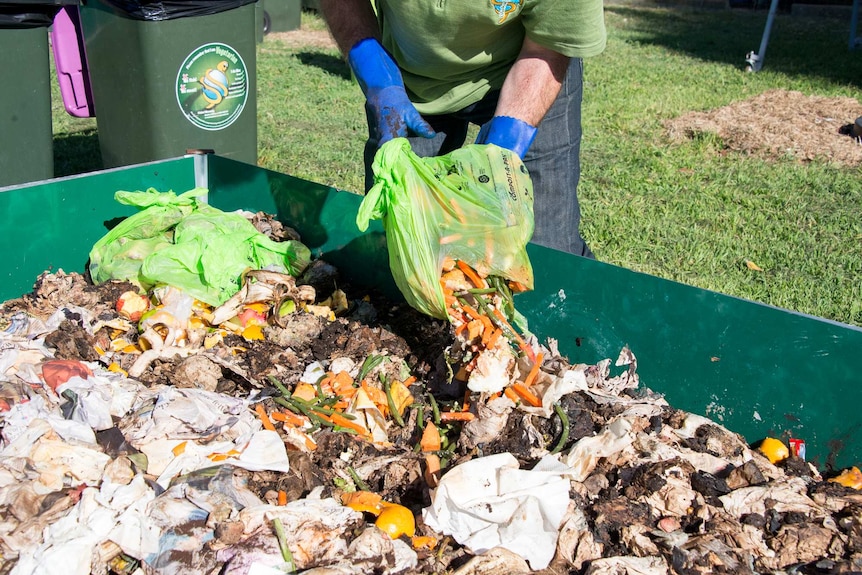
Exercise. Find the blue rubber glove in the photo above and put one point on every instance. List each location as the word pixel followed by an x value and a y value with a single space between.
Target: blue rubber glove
pixel 384 91
pixel 507 132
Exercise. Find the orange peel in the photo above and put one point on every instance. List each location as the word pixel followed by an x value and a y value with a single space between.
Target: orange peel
pixel 363 502
pixel 774 450
pixel 396 520
pixel 849 478
pixel 424 542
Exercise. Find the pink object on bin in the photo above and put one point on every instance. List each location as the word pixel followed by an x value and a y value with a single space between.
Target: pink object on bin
pixel 71 63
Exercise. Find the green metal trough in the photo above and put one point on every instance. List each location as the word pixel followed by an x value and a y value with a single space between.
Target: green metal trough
pixel 759 370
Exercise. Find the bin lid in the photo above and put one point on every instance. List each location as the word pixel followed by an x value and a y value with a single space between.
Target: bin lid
pixel 31 13
pixel 27 4
pixel 171 9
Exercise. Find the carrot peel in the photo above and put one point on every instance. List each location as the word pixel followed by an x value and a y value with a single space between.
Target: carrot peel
pixel 448 416
pixel 534 371
pixel 526 394
pixel 264 418
pixel 430 438
pixel 338 419
pixel 471 274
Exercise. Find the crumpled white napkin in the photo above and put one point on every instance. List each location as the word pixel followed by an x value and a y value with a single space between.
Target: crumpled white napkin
pixel 490 502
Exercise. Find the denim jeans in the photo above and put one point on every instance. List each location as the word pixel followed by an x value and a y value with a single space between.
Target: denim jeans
pixel 553 159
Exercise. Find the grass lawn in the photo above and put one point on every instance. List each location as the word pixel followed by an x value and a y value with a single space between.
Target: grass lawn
pixel 690 211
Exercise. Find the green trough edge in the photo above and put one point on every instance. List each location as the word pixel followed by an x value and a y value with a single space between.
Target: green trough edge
pixel 758 370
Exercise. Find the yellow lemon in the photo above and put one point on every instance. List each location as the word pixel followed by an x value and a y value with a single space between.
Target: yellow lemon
pixel 396 520
pixel 774 450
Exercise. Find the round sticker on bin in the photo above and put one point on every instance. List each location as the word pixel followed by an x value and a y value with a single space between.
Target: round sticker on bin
pixel 212 86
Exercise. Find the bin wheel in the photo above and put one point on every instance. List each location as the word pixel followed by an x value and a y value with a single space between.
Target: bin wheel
pixel 267 23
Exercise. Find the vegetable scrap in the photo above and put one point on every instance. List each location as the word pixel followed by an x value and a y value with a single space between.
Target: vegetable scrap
pixel 304 424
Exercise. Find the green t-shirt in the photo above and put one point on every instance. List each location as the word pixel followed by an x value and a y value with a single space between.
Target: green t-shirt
pixel 453 52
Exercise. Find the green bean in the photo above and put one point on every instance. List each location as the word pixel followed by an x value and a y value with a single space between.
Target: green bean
pixel 505 295
pixel 327 402
pixel 318 391
pixel 420 417
pixel 564 434
pixel 483 305
pixel 393 409
pixel 309 413
pixel 357 480
pixel 309 410
pixel 278 385
pixel 435 409
pixel 282 545
pixel 443 545
pixel 286 403
pixel 314 406
pixel 480 291
pixel 370 363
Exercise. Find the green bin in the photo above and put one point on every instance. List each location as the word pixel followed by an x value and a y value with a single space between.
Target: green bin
pixel 172 77
pixel 259 21
pixel 759 370
pixel 26 146
pixel 281 15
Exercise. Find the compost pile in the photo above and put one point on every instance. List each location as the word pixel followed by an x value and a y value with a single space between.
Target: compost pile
pixel 780 124
pixel 311 426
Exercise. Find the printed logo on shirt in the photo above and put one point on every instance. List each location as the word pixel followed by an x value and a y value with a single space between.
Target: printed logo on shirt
pixel 506 8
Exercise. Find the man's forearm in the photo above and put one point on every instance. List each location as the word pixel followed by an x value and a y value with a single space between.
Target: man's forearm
pixel 532 84
pixel 349 21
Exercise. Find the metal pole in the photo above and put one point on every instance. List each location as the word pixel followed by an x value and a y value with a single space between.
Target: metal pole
pixel 755 60
pixel 854 17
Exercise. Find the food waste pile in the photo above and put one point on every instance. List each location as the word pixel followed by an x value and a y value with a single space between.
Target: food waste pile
pixel 305 425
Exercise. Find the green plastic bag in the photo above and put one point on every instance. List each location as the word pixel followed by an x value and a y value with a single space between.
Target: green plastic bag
pixel 474 204
pixel 183 242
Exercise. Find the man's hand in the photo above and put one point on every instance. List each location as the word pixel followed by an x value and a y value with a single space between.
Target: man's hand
pixel 508 132
pixel 381 82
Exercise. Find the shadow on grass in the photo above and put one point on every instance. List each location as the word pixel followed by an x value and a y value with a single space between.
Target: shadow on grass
pixel 76 153
pixel 332 65
pixel 798 46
